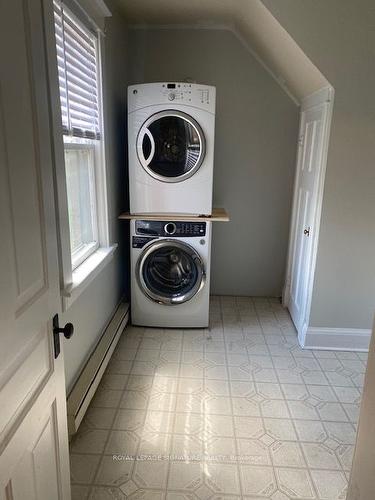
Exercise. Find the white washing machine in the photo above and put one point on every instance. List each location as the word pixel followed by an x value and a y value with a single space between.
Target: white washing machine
pixel 170 273
pixel 171 129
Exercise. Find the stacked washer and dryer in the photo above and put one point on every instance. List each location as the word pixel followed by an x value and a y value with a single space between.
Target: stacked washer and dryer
pixel 171 130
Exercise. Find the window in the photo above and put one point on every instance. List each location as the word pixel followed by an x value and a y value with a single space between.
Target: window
pixel 80 98
pixel 80 183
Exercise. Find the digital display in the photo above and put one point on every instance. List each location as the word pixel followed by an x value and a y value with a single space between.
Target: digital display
pixel 157 228
pixel 171 86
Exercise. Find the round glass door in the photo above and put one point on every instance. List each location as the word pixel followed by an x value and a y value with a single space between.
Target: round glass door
pixel 171 146
pixel 170 272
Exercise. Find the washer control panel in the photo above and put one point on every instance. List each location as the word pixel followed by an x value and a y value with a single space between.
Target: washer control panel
pixel 170 228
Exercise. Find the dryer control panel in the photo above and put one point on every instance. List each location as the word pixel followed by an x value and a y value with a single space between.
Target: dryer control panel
pixel 172 95
pixel 170 228
pixel 186 93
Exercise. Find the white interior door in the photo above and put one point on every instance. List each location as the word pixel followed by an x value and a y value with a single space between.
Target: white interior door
pixel 314 130
pixel 34 461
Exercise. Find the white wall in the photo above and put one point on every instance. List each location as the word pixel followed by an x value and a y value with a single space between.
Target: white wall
pixel 339 37
pixel 92 310
pixel 255 146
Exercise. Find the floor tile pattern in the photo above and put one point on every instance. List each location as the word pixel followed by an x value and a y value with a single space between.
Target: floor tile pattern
pixel 238 410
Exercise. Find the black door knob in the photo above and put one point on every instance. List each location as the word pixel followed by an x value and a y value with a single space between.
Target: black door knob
pixel 67 330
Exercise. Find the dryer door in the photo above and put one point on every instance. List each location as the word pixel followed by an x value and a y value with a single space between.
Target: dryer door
pixel 170 272
pixel 171 146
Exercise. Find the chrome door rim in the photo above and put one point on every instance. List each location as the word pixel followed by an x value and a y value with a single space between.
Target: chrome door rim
pixel 142 132
pixel 161 299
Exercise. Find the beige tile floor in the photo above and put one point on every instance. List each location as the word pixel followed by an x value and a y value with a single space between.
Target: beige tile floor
pixel 235 411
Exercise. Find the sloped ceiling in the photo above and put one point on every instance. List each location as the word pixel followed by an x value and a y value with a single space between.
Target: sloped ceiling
pixel 252 23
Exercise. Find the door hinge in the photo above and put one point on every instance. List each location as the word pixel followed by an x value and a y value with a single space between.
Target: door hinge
pixel 300 140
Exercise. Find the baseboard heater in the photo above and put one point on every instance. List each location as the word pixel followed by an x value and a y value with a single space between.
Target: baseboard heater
pixel 88 381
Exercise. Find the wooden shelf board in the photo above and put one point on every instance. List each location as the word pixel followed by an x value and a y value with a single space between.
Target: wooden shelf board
pixel 218 215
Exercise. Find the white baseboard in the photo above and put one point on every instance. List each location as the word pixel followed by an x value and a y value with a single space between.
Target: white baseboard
pixel 88 381
pixel 337 339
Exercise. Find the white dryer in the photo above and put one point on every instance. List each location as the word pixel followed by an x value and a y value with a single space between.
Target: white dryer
pixel 171 129
pixel 170 273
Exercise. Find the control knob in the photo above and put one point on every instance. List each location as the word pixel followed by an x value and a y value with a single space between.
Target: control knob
pixel 170 228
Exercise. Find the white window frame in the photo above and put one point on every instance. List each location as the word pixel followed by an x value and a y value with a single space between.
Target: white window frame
pixel 82 253
pixel 73 281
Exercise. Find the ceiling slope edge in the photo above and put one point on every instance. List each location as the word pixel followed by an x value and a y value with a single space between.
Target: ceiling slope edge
pixel 258 31
pixel 292 68
pixel 222 27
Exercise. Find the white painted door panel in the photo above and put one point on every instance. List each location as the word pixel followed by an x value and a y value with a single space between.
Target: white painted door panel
pixel 309 167
pixel 33 435
pixel 30 463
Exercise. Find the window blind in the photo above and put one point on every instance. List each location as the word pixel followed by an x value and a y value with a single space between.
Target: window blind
pixel 78 75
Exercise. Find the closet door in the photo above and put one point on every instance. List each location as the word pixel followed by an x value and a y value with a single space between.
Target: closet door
pixel 306 213
pixel 34 460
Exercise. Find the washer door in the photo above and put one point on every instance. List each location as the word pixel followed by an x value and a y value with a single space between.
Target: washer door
pixel 170 272
pixel 171 146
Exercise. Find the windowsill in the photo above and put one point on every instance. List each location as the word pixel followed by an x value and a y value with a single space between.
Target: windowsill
pixel 85 273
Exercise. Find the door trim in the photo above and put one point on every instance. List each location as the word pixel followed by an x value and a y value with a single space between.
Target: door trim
pixel 323 96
